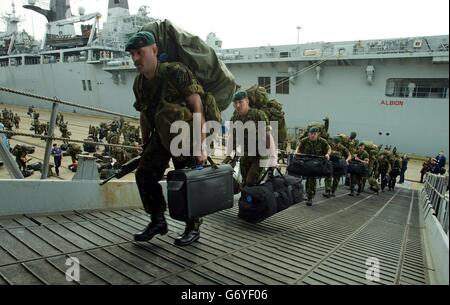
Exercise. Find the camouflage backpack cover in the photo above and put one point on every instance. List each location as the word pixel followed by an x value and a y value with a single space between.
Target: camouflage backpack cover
pixel 259 99
pixel 177 45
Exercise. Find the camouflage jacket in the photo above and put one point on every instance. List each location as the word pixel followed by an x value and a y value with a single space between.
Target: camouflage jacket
pixel 363 155
pixel 318 148
pixel 173 83
pixel 384 166
pixel 339 152
pixel 253 115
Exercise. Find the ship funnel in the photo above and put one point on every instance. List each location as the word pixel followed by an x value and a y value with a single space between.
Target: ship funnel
pixel 370 71
pixel 59 9
pixel 118 3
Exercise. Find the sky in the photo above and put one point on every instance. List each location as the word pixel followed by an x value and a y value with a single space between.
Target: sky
pixel 253 23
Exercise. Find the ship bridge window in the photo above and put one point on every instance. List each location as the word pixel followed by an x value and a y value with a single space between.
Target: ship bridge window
pixel 417 87
pixel 32 60
pixel 264 81
pixel 84 84
pixel 282 85
pixel 285 54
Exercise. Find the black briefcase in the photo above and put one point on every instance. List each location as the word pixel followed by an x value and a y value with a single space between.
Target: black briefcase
pixel 201 191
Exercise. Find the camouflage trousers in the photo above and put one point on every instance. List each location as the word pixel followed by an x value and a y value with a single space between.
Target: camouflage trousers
pixel 250 170
pixel 331 183
pixel 356 180
pixel 151 169
pixel 311 184
pixel 384 180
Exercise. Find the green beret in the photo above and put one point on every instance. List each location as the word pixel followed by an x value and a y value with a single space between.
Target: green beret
pixel 139 40
pixel 337 140
pixel 314 129
pixel 353 135
pixel 240 95
pixel 361 144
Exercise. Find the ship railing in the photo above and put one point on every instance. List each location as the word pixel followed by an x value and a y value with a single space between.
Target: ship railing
pixel 4 153
pixel 435 193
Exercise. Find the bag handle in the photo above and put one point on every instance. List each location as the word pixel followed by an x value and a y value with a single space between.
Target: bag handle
pixel 271 170
pixel 213 164
pixel 201 166
pixel 310 156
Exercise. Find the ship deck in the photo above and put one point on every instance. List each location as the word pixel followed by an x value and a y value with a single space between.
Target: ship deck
pixel 328 243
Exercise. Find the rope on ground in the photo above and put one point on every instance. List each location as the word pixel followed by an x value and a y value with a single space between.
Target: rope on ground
pixel 58 101
pixel 13 133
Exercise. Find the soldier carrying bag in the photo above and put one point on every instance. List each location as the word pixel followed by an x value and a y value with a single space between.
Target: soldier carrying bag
pixel 188 195
pixel 310 166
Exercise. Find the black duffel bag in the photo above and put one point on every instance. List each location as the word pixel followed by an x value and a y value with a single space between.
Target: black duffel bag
pixel 275 195
pixel 35 166
pixel 310 166
pixel 27 173
pixel 339 167
pixel 88 147
pixel 395 172
pixel 289 185
pixel 358 168
pixel 200 191
pixel 257 203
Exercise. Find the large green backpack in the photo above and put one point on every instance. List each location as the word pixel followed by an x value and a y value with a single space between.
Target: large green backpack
pixel 178 45
pixel 259 99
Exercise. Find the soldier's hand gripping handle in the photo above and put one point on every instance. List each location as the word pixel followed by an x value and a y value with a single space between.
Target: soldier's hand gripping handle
pixel 124 170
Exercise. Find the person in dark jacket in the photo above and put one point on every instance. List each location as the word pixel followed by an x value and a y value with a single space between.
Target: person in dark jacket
pixel 404 168
pixel 441 161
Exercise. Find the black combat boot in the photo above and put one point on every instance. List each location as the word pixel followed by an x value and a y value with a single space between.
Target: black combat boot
pixel 309 202
pixel 358 193
pixel 157 226
pixel 352 193
pixel 190 235
pixel 327 194
pixel 333 195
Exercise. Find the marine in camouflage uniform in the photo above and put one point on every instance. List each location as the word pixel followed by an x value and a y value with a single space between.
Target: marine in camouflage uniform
pixel 65 133
pixel 353 142
pixel 384 167
pixel 16 121
pixel 362 156
pixel 250 166
pixel 5 114
pixel 313 145
pixel 73 150
pixel 373 169
pixel 395 171
pixel 338 152
pixel 373 179
pixel 161 86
